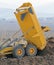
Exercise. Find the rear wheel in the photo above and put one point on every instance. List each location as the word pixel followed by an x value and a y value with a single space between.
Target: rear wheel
pixel 19 51
pixel 31 50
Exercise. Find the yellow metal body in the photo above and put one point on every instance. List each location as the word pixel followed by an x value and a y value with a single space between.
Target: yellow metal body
pixel 6 51
pixel 30 25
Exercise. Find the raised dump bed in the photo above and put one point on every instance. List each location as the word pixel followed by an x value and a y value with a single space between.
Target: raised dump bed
pixel 30 26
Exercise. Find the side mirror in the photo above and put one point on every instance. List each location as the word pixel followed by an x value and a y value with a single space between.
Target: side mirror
pixel 45 28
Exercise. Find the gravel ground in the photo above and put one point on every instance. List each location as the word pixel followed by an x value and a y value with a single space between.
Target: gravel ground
pixel 43 58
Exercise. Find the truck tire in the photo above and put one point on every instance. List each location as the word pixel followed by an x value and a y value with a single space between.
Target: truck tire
pixel 31 50
pixel 19 52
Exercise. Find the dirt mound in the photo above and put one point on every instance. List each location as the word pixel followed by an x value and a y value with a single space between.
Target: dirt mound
pixel 51 39
pixel 45 57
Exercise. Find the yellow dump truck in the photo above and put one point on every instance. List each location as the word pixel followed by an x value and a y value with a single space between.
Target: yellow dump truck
pixel 31 29
pixel 33 33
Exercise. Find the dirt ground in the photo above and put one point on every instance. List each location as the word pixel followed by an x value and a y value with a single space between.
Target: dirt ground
pixel 45 57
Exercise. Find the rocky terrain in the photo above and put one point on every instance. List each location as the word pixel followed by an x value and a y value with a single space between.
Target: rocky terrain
pixel 45 57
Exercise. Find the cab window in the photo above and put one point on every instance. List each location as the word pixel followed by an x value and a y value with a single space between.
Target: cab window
pixel 30 10
pixel 23 16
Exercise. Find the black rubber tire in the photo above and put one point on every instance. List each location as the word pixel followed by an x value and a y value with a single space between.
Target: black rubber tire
pixel 31 46
pixel 15 52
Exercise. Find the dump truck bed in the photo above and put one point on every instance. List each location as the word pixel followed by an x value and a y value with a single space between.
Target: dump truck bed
pixel 30 26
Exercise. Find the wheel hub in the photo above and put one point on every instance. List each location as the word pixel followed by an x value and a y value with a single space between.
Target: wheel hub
pixel 19 52
pixel 31 51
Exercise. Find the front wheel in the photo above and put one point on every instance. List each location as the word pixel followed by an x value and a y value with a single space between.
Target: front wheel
pixel 31 50
pixel 19 52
